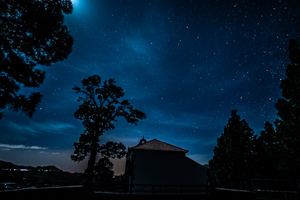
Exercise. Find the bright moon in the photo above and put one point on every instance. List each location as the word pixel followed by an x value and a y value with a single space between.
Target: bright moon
pixel 79 7
pixel 74 2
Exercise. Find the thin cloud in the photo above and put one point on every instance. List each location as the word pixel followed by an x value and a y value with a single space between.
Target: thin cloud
pixel 54 126
pixel 22 128
pixel 34 128
pixel 12 146
pixel 138 45
pixel 192 120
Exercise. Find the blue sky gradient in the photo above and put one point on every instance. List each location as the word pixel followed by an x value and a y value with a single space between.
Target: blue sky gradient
pixel 185 64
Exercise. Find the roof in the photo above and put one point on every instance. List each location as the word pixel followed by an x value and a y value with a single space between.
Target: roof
pixel 158 145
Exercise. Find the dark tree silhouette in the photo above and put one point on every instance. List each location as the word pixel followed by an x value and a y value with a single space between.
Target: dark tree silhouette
pixel 232 158
pixel 99 112
pixel 32 32
pixel 112 150
pixel 288 126
pixel 103 170
pixel 266 152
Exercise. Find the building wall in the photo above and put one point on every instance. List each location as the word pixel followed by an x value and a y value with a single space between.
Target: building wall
pixel 169 168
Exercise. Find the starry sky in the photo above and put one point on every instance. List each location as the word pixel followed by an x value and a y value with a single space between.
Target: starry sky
pixel 185 63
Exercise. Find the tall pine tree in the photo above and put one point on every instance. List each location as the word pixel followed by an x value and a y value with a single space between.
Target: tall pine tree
pixel 232 160
pixel 288 124
pixel 266 153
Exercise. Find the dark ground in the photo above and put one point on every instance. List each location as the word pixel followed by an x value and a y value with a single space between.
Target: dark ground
pixel 77 193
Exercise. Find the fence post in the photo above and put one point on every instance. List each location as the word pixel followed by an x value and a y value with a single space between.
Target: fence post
pixel 153 189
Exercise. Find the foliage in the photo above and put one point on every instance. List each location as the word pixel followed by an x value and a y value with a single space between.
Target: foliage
pixel 112 150
pixel 98 112
pixel 103 170
pixel 32 33
pixel 266 152
pixel 288 126
pixel 232 160
pixel 275 154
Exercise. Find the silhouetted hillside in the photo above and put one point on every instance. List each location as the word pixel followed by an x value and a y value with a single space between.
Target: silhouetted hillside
pixel 4 164
pixel 7 166
pixel 28 176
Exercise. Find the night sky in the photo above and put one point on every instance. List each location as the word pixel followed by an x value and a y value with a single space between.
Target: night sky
pixel 185 64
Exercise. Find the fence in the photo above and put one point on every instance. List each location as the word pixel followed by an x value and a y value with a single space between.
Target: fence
pixel 276 189
pixel 151 188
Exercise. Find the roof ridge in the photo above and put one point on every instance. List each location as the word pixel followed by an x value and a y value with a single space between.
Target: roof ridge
pixel 159 145
pixel 170 144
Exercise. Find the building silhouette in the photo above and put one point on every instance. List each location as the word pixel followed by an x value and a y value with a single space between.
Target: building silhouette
pixel 163 167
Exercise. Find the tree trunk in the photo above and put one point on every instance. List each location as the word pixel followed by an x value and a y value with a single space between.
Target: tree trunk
pixel 91 163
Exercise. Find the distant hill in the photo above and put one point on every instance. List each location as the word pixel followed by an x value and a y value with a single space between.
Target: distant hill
pixel 8 166
pixel 4 164
pixel 40 176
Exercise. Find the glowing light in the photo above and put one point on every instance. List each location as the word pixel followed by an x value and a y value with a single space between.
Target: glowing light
pixel 79 6
pixel 75 2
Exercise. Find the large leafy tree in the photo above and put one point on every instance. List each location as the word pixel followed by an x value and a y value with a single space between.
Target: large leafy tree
pixel 232 160
pixel 100 108
pixel 288 124
pixel 32 32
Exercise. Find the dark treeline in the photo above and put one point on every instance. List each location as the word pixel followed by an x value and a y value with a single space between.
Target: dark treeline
pixel 240 155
